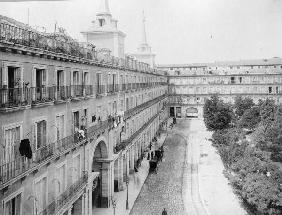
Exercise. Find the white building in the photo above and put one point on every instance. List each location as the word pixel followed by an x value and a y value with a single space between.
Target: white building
pixel 144 51
pixel 104 32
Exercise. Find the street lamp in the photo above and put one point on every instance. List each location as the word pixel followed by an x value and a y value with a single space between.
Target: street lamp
pixel 127 182
pixel 114 202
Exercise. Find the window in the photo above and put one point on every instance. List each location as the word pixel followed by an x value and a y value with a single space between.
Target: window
pixel 13 206
pixel 14 77
pixel 12 139
pixel 60 126
pixel 40 134
pixel 101 22
pixel 41 194
pixel 232 80
pixel 240 79
pixel 76 168
pixel 76 121
pixel 269 89
pixel 60 79
pixel 60 181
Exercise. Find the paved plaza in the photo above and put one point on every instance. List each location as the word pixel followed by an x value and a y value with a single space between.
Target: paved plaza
pixel 189 180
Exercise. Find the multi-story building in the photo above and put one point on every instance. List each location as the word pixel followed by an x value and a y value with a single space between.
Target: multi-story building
pixel 73 121
pixel 191 84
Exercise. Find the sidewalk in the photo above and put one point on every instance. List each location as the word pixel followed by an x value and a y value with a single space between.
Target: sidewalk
pixel 136 181
pixel 215 190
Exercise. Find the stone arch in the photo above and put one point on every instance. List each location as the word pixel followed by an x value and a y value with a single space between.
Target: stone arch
pixel 98 153
pixel 192 112
pixel 99 150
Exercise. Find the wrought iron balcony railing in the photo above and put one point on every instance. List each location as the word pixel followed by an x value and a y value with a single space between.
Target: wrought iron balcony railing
pixel 123 144
pixel 15 97
pixel 66 47
pixel 131 112
pixel 55 206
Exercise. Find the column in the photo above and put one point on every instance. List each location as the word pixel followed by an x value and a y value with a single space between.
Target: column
pixel 120 182
pixel 83 204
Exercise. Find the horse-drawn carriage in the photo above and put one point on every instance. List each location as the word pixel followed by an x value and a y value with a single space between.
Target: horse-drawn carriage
pixel 155 160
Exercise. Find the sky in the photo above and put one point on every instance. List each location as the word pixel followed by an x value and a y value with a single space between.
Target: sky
pixel 179 31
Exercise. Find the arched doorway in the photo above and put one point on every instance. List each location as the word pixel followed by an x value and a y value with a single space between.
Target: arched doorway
pixel 192 112
pixel 98 197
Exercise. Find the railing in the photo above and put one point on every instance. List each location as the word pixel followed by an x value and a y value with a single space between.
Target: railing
pixel 62 44
pixel 101 89
pixel 123 144
pixel 139 108
pixel 12 169
pixel 63 92
pixel 14 97
pixel 66 196
pixel 43 94
pixel 110 88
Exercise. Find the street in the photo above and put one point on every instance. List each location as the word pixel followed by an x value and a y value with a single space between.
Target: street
pixel 189 180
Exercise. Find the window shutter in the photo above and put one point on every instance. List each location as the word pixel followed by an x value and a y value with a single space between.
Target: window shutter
pixel 44 77
pixel 34 137
pixel 44 133
pixel 18 77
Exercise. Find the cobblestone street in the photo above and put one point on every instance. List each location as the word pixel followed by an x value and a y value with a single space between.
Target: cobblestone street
pixel 186 182
pixel 164 189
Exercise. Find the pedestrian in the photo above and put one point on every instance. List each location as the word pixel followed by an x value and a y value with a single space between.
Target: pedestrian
pixel 164 212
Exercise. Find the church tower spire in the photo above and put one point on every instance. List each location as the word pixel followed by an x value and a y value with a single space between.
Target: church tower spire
pixel 144 51
pixel 104 8
pixel 144 36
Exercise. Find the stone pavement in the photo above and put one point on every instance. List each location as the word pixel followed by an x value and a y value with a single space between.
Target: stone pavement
pixel 136 181
pixel 201 190
pixel 164 188
pixel 215 190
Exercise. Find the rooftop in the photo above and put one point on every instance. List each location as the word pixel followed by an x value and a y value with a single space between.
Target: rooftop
pixel 256 62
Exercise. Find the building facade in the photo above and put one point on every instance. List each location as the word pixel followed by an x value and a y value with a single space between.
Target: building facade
pixel 104 32
pixel 190 85
pixel 144 51
pixel 73 122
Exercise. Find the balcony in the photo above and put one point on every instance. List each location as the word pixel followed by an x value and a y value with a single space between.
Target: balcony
pixel 139 108
pixel 66 196
pixel 43 95
pixel 14 98
pixel 60 46
pixel 101 90
pixel 123 144
pixel 63 93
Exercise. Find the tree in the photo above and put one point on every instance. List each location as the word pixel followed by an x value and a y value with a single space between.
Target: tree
pixel 250 119
pixel 267 112
pixel 217 114
pixel 242 104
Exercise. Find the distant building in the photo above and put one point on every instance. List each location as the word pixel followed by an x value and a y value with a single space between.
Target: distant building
pixel 144 51
pixel 104 32
pixel 191 84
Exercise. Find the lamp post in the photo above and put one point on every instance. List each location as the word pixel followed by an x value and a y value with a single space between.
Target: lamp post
pixel 114 202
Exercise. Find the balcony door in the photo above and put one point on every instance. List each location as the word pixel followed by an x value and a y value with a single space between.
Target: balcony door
pixel 13 206
pixel 40 84
pixel 13 84
pixel 41 195
pixel 40 134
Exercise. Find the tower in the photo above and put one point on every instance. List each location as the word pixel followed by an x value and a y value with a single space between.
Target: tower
pixel 104 32
pixel 144 51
